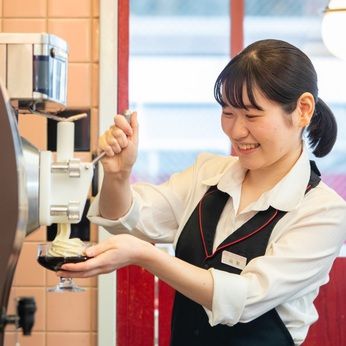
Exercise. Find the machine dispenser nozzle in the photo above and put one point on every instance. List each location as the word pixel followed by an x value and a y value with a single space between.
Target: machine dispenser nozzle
pixel 25 317
pixel 26 308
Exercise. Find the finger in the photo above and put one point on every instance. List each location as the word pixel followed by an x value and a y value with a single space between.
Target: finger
pixel 100 248
pixel 134 126
pixel 112 141
pixel 103 144
pixel 92 266
pixel 87 274
pixel 87 265
pixel 121 122
pixel 120 136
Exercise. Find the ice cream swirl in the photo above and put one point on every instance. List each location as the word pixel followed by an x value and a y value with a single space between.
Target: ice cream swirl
pixel 63 246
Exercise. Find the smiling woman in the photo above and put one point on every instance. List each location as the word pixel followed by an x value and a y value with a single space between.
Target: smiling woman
pixel 240 226
pixel 265 116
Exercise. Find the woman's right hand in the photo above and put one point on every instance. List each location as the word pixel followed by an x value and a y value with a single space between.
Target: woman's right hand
pixel 120 143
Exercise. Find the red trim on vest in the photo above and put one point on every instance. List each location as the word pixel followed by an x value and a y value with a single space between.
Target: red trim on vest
pixel 200 221
pixel 249 235
pixel 232 242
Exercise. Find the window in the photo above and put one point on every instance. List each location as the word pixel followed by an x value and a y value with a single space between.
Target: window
pixel 177 50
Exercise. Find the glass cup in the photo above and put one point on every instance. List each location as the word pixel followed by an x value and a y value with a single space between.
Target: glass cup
pixel 54 263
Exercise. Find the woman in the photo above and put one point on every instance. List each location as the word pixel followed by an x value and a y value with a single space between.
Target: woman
pixel 256 233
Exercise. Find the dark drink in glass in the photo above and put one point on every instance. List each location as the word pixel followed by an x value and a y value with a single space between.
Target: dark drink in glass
pixel 54 263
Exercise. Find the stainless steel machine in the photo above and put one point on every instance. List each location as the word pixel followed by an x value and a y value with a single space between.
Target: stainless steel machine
pixel 36 187
pixel 33 69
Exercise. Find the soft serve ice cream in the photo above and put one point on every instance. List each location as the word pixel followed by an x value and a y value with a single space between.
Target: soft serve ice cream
pixel 63 246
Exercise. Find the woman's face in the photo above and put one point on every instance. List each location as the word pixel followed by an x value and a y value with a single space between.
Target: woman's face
pixel 262 139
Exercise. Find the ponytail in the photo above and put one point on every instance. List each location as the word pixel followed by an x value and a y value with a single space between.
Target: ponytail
pixel 322 130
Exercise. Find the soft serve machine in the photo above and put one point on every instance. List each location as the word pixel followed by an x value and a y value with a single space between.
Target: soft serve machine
pixel 37 188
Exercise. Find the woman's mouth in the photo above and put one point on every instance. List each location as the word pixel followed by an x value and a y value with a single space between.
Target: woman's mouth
pixel 247 147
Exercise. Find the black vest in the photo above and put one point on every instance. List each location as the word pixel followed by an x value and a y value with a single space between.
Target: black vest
pixel 190 326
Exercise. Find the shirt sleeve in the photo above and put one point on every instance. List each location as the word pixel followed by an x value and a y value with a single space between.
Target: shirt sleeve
pixel 297 262
pixel 143 219
pixel 125 223
pixel 156 210
pixel 227 311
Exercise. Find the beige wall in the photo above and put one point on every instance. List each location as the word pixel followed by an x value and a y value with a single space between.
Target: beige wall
pixel 70 318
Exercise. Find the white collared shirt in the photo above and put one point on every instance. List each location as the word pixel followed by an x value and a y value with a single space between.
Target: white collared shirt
pixel 299 255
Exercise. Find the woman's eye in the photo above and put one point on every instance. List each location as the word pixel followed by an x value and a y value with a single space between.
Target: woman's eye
pixel 227 115
pixel 250 116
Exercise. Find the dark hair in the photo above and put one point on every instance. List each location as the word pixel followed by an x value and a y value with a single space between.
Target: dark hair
pixel 282 72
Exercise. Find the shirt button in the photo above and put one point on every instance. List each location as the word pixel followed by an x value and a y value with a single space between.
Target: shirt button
pixel 196 332
pixel 206 266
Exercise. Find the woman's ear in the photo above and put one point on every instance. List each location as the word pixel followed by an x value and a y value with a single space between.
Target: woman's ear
pixel 305 109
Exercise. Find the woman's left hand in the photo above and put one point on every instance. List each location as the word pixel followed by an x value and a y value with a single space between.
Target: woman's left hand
pixel 121 250
pixel 114 253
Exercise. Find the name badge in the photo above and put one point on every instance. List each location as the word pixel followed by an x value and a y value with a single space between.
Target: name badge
pixel 233 260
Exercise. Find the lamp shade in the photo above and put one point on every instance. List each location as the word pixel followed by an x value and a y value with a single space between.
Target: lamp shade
pixel 334 27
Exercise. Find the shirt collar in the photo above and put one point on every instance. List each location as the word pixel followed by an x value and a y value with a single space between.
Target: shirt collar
pixel 286 195
pixel 289 192
pixel 229 179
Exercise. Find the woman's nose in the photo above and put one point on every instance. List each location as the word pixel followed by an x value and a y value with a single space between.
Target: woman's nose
pixel 238 129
